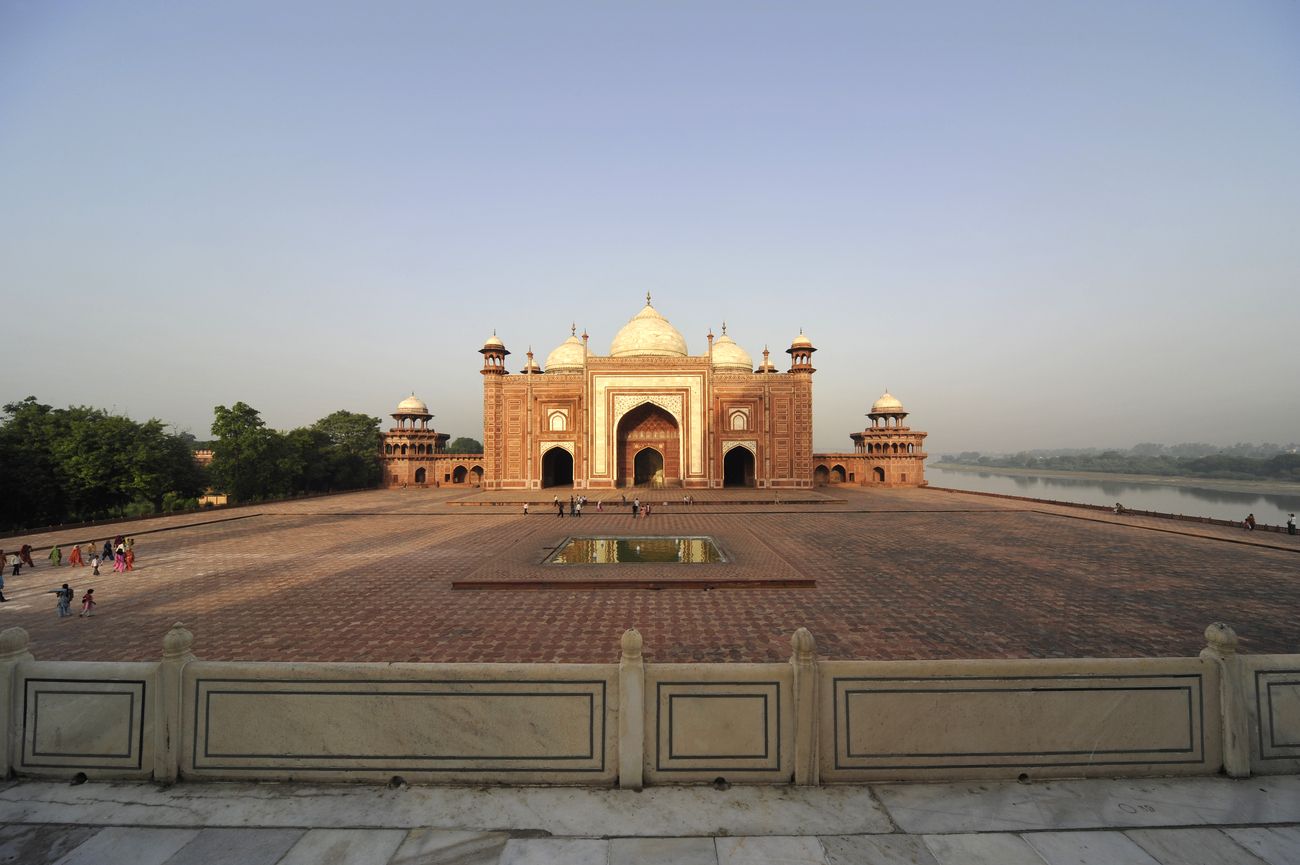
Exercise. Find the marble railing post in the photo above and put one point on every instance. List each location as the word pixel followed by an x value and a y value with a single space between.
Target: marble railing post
pixel 807 770
pixel 1221 648
pixel 13 651
pixel 631 713
pixel 167 712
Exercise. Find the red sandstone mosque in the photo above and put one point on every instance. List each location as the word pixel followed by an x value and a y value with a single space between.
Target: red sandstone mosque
pixel 651 414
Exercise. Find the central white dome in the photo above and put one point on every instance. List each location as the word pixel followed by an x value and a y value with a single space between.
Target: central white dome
pixel 648 334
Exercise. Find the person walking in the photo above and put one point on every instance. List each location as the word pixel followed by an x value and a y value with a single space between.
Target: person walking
pixel 525 508
pixel 56 556
pixel 25 553
pixel 128 560
pixel 1290 524
pixel 559 507
pixel 94 565
pixel 577 508
pixel 74 557
pixel 3 599
pixel 15 564
pixel 87 603
pixel 108 551
pixel 636 508
pixel 64 598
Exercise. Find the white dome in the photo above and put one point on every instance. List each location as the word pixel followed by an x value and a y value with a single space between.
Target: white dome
pixel 801 341
pixel 648 334
pixel 493 341
pixel 730 357
pixel 887 404
pixel 568 356
pixel 412 405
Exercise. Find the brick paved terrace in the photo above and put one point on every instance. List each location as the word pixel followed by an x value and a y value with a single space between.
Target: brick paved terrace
pixel 899 574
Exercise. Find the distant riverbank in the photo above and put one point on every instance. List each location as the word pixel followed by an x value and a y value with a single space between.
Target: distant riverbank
pixel 1236 486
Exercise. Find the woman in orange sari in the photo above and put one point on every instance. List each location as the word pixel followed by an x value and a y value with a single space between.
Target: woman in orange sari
pixel 74 557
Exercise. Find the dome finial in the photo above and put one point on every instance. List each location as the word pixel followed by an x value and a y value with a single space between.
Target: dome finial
pixel 647 298
pixel 573 329
pixel 724 328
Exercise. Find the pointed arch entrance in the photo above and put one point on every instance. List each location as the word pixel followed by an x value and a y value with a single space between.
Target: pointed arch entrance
pixel 649 446
pixel 420 475
pixel 738 467
pixel 557 468
pixel 878 475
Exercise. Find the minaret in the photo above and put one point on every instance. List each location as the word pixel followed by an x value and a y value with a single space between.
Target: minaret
pixel 494 371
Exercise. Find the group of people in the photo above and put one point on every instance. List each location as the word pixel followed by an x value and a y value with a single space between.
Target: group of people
pixel 1249 523
pixel 121 550
pixel 576 504
pixel 65 596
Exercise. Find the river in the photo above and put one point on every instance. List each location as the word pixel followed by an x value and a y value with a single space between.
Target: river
pixel 1180 496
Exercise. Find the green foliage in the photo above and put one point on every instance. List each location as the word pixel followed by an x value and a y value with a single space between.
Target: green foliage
pixel 251 462
pixel 81 463
pixel 465 445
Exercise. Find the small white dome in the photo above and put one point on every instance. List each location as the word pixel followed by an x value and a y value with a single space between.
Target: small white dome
pixel 887 404
pixel 412 405
pixel 493 341
pixel 648 334
pixel 801 341
pixel 568 356
pixel 730 357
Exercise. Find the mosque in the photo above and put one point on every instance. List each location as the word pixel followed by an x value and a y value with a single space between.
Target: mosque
pixel 650 414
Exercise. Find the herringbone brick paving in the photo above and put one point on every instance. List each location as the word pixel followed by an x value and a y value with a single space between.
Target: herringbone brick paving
pixel 900 574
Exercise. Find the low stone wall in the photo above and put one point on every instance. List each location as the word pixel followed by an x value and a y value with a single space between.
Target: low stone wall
pixel 806 721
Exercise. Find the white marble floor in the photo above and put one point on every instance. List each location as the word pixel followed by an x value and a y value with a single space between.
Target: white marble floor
pixel 1151 822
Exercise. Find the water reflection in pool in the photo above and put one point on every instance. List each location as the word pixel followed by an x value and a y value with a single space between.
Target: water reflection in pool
pixel 637 550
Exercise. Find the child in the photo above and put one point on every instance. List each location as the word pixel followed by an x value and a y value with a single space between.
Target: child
pixel 94 565
pixel 88 603
pixel 129 558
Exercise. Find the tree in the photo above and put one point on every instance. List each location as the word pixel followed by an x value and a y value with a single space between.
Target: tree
pixel 31 489
pixel 465 445
pixel 247 458
pixel 351 449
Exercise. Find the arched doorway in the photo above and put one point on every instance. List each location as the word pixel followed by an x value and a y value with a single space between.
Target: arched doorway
pixel 458 475
pixel 837 474
pixel 648 427
pixel 878 475
pixel 821 476
pixel 557 468
pixel 476 476
pixel 648 468
pixel 419 475
pixel 738 468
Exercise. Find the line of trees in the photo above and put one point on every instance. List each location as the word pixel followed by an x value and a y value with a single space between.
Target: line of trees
pixel 81 463
pixel 251 461
pixel 1240 462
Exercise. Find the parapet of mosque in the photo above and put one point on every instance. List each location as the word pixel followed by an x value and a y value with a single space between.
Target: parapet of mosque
pixel 650 414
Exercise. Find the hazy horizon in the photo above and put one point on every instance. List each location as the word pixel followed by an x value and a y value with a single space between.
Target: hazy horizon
pixel 1039 225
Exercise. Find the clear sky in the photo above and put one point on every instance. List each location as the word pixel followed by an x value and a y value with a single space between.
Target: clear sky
pixel 1038 224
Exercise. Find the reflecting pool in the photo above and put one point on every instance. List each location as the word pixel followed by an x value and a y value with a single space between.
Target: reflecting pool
pixel 637 550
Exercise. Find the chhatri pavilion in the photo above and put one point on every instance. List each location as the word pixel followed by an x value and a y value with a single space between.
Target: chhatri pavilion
pixel 649 413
